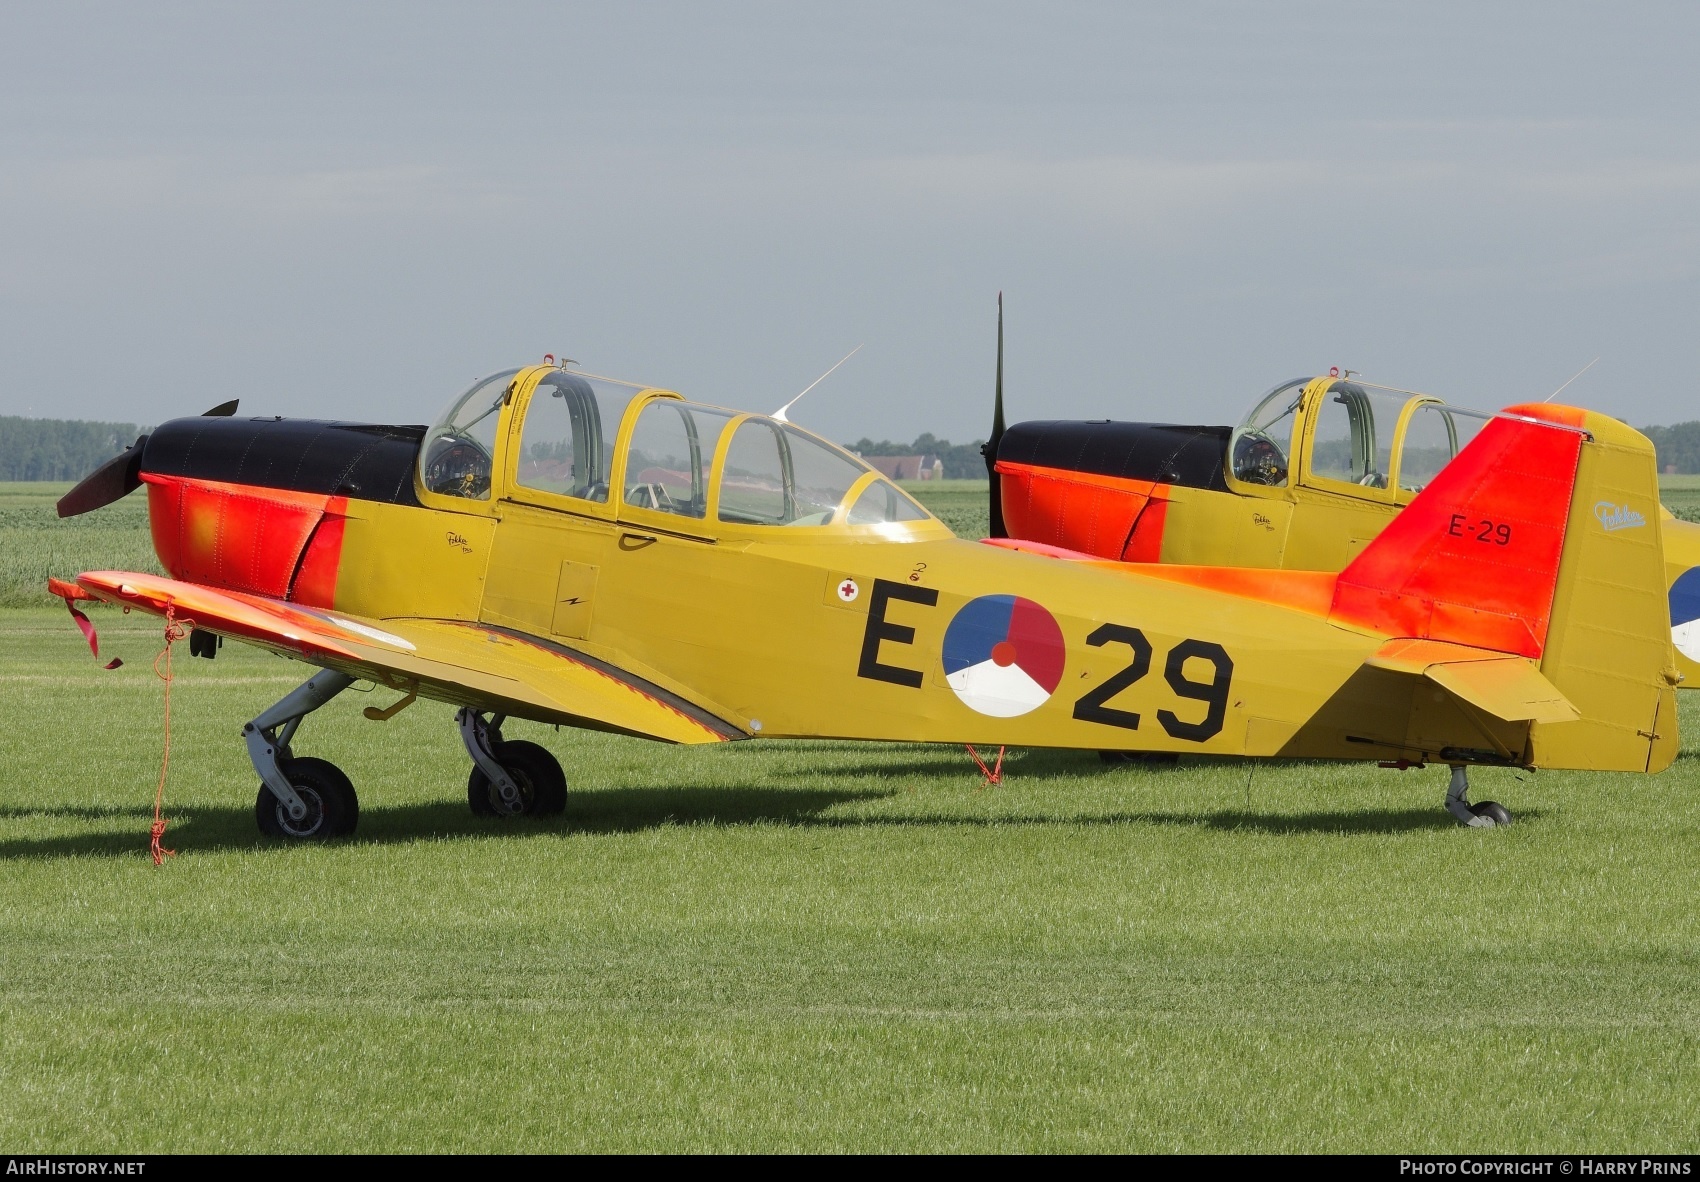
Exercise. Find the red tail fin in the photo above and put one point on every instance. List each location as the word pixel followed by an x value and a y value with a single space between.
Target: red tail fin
pixel 1474 559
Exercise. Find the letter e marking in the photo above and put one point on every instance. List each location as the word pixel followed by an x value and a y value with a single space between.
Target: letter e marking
pixel 880 629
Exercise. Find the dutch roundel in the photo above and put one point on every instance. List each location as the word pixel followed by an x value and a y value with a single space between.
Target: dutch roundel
pixel 1003 655
pixel 1685 613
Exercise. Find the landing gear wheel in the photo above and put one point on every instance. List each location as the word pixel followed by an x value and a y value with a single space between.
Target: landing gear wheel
pixel 350 801
pixel 542 784
pixel 1493 811
pixel 1489 814
pixel 333 809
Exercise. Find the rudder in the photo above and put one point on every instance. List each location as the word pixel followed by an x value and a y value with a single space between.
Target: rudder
pixel 1610 649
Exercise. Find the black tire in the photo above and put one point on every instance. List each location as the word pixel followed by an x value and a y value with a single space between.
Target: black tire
pixel 350 800
pixel 479 792
pixel 333 809
pixel 542 784
pixel 1492 809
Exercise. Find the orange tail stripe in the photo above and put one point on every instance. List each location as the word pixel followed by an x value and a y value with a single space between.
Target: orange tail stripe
pixel 1474 559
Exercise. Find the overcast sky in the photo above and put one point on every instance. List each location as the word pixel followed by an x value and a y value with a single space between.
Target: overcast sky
pixel 355 211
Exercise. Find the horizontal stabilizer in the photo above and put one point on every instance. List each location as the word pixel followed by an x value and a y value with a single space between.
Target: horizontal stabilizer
pixel 1507 687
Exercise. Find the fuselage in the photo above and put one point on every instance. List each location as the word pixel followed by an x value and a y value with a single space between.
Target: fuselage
pixel 788 634
pixel 819 627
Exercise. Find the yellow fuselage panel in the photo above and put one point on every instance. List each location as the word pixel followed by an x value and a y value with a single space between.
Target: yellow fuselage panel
pixel 835 637
pixel 1306 530
pixel 399 560
pixel 764 629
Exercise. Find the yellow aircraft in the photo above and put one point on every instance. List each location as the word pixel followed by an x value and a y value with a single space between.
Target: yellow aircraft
pixel 575 550
pixel 1312 474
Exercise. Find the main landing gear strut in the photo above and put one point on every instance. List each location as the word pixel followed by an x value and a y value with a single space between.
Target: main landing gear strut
pixel 1485 815
pixel 302 798
pixel 510 777
pixel 310 799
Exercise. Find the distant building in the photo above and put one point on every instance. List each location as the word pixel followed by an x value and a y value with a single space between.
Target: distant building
pixel 907 467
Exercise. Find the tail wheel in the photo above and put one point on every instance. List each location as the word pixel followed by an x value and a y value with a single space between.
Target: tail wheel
pixel 333 809
pixel 1493 811
pixel 541 782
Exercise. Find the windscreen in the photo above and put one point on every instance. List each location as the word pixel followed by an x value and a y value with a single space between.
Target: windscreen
pixel 1262 442
pixel 457 458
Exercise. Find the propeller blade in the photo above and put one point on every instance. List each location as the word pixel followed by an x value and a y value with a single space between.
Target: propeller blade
pixel 990 448
pixel 118 477
pixel 122 474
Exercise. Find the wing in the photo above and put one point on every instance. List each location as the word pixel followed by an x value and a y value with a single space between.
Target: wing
pixel 454 661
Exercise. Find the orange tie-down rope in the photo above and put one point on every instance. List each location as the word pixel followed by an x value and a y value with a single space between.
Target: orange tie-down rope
pixel 993 774
pixel 175 630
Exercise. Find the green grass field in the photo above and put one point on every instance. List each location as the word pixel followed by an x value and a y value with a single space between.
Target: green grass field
pixel 1681 495
pixel 791 946
pixel 35 543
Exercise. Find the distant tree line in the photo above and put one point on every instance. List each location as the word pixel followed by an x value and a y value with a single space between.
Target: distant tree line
pixel 58 449
pixel 1678 445
pixel 69 449
pixel 962 461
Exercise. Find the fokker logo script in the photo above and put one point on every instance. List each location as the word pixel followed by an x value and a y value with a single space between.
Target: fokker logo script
pixel 1616 517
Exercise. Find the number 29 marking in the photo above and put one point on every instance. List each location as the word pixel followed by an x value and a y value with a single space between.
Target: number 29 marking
pixel 1094 706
